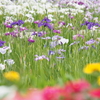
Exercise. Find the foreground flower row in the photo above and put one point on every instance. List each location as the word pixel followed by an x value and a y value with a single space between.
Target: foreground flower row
pixel 73 90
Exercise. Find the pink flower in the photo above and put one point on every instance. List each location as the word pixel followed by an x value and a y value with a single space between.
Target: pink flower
pixel 78 86
pixel 95 93
pixel 57 31
pixel 51 93
pixel 37 22
pixel 23 28
pixel 77 35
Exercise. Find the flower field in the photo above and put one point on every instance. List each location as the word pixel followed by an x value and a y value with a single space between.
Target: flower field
pixel 49 50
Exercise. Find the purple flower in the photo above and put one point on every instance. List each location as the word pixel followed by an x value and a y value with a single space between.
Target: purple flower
pixel 37 22
pixel 7 33
pixel 83 47
pixel 80 3
pixel 46 23
pixel 77 35
pixel 2 43
pixel 39 34
pixel 19 23
pixel 31 40
pixel 41 57
pixel 57 31
pixel 7 24
pixel 14 34
pixel 61 23
pixel 51 52
pixel 70 16
pixel 46 20
pixel 85 23
pixel 90 24
pixel 34 33
pixel 91 41
pixel 56 37
pixel 23 28
pixel 60 51
pixel 93 46
pixel 76 42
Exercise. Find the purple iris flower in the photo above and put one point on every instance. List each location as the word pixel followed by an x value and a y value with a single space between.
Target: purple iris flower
pixel 57 31
pixel 77 35
pixel 2 43
pixel 7 33
pixel 23 28
pixel 46 20
pixel 93 46
pixel 76 42
pixel 37 22
pixel 80 3
pixel 39 34
pixel 14 34
pixel 61 23
pixel 8 26
pixel 41 57
pixel 46 23
pixel 91 41
pixel 19 23
pixel 51 52
pixel 31 40
pixel 60 51
pixel 35 33
pixel 85 23
pixel 90 24
pixel 83 47
pixel 70 16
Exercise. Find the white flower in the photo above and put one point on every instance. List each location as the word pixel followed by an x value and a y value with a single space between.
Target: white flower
pixel 69 24
pixel 63 41
pixel 9 92
pixel 95 19
pixel 9 61
pixel 4 49
pixel 29 15
pixel 2 67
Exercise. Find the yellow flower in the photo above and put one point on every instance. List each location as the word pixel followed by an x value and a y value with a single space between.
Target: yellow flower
pixel 12 76
pixel 90 68
pixel 98 81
